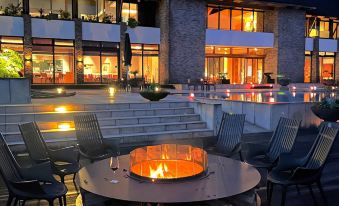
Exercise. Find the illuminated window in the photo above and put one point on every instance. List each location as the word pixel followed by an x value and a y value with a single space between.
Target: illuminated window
pixel 326 61
pixel 307 68
pixel 38 8
pixel 236 20
pixel 225 19
pixel 213 18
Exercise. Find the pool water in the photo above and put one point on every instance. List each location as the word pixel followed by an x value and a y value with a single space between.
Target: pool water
pixel 270 96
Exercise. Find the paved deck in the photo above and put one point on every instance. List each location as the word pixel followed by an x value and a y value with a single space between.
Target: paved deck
pixel 330 179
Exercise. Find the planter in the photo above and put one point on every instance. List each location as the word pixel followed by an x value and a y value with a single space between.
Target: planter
pixel 225 81
pixel 284 82
pixel 15 91
pixel 154 96
pixel 326 113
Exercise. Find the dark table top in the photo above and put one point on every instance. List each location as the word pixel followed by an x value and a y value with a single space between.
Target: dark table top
pixel 226 177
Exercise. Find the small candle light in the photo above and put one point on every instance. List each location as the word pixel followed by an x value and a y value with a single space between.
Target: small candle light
pixel 192 95
pixel 228 91
pixel 293 94
pixel 294 88
pixel 156 89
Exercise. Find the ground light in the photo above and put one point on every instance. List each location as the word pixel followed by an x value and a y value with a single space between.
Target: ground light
pixel 64 126
pixel 60 109
pixel 111 91
pixel 156 89
pixel 192 95
pixel 60 90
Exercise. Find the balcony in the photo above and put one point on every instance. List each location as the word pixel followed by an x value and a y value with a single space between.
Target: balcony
pixel 11 26
pixel 239 39
pixel 58 29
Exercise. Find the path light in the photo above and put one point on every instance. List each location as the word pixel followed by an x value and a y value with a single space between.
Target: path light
pixel 60 109
pixel 293 94
pixel 271 100
pixel 192 95
pixel 294 88
pixel 64 126
pixel 60 90
pixel 111 91
pixel 228 91
pixel 156 89
pixel 333 88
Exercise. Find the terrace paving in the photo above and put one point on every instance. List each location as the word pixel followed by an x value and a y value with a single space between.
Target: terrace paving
pixel 330 179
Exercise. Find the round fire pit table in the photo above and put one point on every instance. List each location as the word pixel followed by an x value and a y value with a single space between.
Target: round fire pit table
pixel 225 177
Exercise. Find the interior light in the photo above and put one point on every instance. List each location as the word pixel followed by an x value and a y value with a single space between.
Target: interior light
pixel 111 91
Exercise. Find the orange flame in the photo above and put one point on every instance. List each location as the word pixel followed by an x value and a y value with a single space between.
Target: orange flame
pixel 159 172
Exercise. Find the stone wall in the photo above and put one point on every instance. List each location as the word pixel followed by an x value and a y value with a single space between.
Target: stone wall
pixel 183 31
pixel 287 58
pixel 79 66
pixel 28 65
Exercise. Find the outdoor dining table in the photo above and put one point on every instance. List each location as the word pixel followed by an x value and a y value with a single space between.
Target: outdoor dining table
pixel 225 178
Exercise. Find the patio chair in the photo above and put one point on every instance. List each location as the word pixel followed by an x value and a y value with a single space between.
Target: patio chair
pixel 307 170
pixel 282 141
pixel 229 135
pixel 64 160
pixel 36 182
pixel 91 143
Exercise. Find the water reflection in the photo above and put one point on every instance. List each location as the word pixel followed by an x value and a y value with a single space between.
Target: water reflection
pixel 270 97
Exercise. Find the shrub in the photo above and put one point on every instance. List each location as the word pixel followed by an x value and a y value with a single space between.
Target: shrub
pixel 132 22
pixel 10 64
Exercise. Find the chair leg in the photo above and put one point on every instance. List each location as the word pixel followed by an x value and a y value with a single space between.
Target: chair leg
pixel 270 193
pixel 298 190
pixel 268 188
pixel 74 177
pixel 15 201
pixel 283 196
pixel 50 202
pixel 64 197
pixel 322 192
pixel 62 178
pixel 60 201
pixel 312 194
pixel 241 157
pixel 9 201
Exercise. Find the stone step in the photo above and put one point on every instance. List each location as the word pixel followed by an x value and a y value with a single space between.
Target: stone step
pixel 137 138
pixel 13 127
pixel 37 108
pixel 117 130
pixel 68 116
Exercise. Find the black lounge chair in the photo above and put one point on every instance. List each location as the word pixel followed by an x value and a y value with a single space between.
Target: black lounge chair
pixel 36 182
pixel 91 143
pixel 282 141
pixel 64 160
pixel 229 135
pixel 306 170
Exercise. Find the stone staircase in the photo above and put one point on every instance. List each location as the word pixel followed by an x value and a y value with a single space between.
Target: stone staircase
pixel 132 123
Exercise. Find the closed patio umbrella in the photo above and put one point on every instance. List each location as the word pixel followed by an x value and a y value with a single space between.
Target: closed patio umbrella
pixel 127 54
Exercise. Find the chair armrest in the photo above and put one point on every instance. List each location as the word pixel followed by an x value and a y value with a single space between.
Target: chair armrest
pixel 67 154
pixel 288 161
pixel 113 145
pixel 252 150
pixel 31 186
pixel 236 149
pixel 304 173
pixel 42 172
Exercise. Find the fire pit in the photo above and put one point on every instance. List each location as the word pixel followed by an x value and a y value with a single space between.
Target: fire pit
pixel 168 162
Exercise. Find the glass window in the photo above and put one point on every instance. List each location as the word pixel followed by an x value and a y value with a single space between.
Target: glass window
pixel 222 50
pixel 129 10
pixel 109 65
pixel 236 20
pixel 212 18
pixel 307 69
pixel 135 71
pixel 225 19
pixel 335 30
pixel 324 29
pixel 239 50
pixel 62 8
pixel 87 10
pixel 111 10
pixel 256 51
pixel 151 66
pixel 209 49
pixel 64 65
pixel 326 68
pixel 249 21
pixel 42 59
pixel 92 67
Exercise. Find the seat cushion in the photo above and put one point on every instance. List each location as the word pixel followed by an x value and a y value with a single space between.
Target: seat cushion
pixel 64 168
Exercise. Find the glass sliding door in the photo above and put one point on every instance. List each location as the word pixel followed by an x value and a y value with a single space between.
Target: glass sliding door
pixel 64 65
pixel 43 70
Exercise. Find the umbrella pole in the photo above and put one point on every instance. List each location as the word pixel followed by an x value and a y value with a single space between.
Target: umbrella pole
pixel 128 86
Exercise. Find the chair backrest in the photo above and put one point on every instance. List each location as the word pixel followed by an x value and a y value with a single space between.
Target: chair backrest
pixel 88 131
pixel 321 147
pixel 230 131
pixel 34 142
pixel 283 138
pixel 9 167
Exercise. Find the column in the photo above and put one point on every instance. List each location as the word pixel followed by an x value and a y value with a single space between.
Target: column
pixel 336 69
pixel 315 66
pixel 287 57
pixel 182 37
pixel 78 51
pixel 28 65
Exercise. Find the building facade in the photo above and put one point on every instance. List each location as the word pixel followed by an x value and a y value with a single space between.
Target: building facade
pixel 81 41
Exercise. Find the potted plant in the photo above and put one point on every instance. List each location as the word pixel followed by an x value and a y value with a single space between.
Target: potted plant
pixel 132 23
pixel 154 93
pixel 327 109
pixel 14 89
pixel 64 14
pixel 13 10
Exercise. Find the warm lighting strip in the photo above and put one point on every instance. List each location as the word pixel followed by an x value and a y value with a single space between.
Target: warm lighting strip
pixel 60 109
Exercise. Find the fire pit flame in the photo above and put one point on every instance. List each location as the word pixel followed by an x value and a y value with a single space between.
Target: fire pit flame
pixel 168 162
